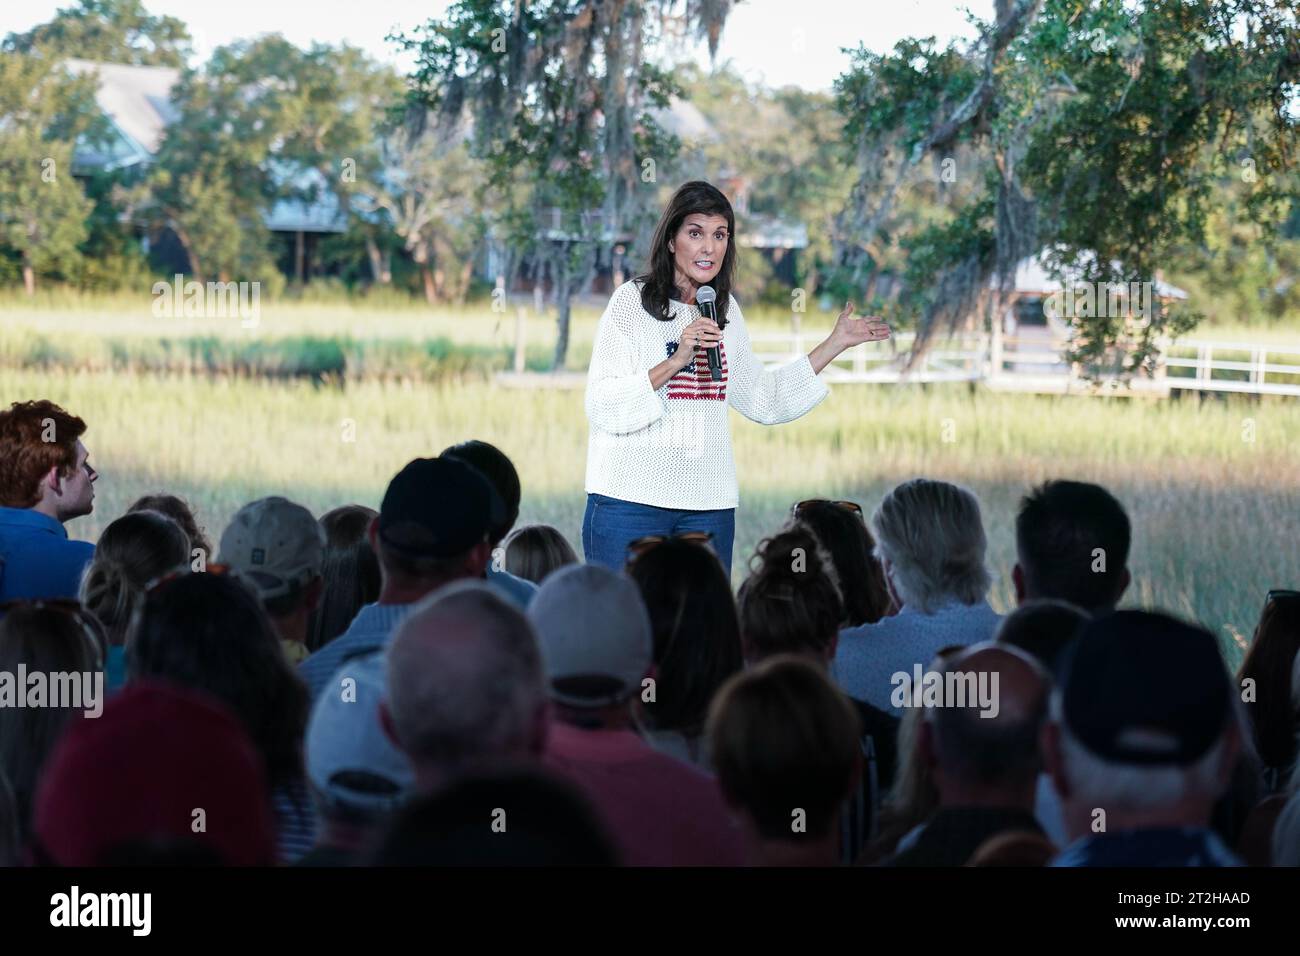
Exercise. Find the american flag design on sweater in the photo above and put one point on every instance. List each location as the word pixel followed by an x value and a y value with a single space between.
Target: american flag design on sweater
pixel 694 381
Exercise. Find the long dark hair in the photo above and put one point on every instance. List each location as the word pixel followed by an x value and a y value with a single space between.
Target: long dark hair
pixel 696 631
pixel 862 580
pixel 1270 662
pixel 350 572
pixel 209 632
pixel 657 284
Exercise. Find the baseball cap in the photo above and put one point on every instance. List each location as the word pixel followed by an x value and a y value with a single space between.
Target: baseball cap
pixel 438 508
pixel 274 544
pixel 350 760
pixel 140 770
pixel 592 623
pixel 1145 688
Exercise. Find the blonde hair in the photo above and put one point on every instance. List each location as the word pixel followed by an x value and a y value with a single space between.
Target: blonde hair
pixel 134 550
pixel 931 534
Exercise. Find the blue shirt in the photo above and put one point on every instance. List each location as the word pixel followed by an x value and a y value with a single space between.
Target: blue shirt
pixel 868 656
pixel 369 631
pixel 36 558
pixel 518 590
pixel 1159 846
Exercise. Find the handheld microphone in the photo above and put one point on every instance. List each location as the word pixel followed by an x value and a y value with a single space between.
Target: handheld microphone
pixel 707 300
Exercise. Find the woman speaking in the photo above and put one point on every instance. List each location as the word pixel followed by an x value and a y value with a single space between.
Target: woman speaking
pixel 659 459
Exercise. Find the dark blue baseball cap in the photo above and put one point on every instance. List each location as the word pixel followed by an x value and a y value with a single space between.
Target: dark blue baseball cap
pixel 1145 688
pixel 438 508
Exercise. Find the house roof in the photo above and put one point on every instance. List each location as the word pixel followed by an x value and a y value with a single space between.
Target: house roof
pixel 137 101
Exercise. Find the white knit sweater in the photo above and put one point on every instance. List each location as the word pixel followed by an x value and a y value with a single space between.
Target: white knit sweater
pixel 672 447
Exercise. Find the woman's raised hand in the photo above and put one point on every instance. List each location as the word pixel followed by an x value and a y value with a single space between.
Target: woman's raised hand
pixel 850 330
pixel 700 334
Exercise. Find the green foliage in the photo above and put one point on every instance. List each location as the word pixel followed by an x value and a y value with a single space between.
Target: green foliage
pixel 108 31
pixel 43 209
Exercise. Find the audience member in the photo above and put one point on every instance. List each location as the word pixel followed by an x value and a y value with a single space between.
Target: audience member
pixel 1014 848
pixel 465 685
pixel 433 528
pixel 1141 743
pixel 1072 544
pixel 842 529
pixel 785 744
pixel 209 632
pixel 178 510
pixel 349 573
pixel 278 548
pixel 499 470
pixel 164 770
pixel 597 650
pixel 358 777
pixel 135 550
pixel 535 550
pixel 54 637
pixel 930 540
pixel 982 752
pixel 696 642
pixel 515 817
pixel 790 604
pixel 1286 833
pixel 1043 628
pixel 1272 667
pixel 45 481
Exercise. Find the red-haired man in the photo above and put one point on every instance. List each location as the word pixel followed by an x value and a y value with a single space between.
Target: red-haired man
pixel 45 480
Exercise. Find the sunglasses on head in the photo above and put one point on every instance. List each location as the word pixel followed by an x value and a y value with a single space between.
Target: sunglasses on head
pixel 852 506
pixel 1281 594
pixel 650 541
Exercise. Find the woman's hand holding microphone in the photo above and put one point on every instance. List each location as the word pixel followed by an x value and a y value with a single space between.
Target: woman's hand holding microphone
pixel 700 334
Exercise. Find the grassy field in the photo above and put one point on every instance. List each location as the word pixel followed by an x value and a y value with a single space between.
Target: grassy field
pixel 1214 513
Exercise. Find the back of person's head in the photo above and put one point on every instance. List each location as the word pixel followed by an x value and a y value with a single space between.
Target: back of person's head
pixel 134 550
pixel 932 536
pixel 1072 543
pixel 1142 720
pixel 35 437
pixel 349 572
pixel 595 638
pixel 47 638
pixel 785 747
pixel 209 632
pixel 696 631
pixel 984 735
pixel 512 817
pixel 1043 628
pixel 790 603
pixel 1272 664
pixel 500 471
pixel 845 536
pixel 535 550
pixel 465 680
pixel 178 509
pixel 435 524
pixel 278 548
pixel 357 774
pixel 135 784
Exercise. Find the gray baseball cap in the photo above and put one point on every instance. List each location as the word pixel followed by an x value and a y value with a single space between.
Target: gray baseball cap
pixel 592 623
pixel 274 544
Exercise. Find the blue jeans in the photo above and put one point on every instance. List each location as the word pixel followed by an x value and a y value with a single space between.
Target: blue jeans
pixel 611 524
